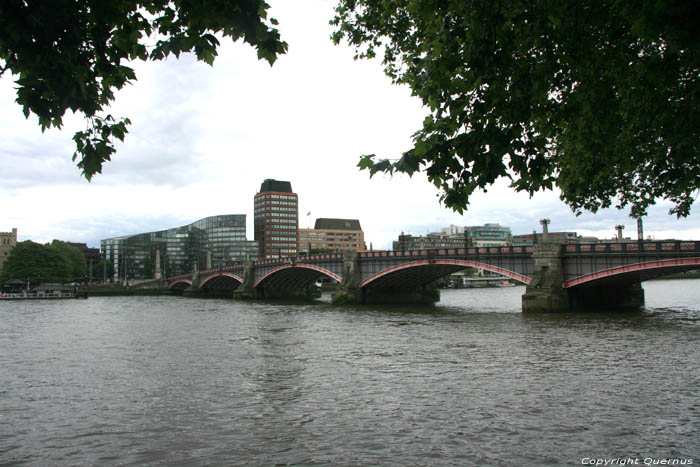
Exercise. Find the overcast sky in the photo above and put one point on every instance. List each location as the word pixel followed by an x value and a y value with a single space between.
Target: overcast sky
pixel 203 139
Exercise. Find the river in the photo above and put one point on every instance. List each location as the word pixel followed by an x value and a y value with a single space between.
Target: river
pixel 471 381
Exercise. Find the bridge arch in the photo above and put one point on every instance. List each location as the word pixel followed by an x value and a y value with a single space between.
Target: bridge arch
pixel 289 276
pixel 221 280
pixel 180 284
pixel 437 268
pixel 635 272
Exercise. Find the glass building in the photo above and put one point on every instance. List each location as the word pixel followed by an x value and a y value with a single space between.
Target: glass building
pixel 211 242
pixel 481 235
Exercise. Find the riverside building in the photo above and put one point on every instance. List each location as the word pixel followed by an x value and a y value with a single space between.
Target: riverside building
pixel 276 219
pixel 7 241
pixel 475 236
pixel 332 235
pixel 211 242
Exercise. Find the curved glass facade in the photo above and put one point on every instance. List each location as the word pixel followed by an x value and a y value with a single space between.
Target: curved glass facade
pixel 211 242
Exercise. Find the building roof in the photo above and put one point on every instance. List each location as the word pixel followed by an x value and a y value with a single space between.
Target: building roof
pixel 276 185
pixel 337 224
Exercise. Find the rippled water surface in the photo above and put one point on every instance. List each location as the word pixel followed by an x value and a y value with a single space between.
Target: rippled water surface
pixel 470 381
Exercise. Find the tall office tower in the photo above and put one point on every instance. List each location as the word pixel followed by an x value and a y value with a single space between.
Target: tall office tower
pixel 276 219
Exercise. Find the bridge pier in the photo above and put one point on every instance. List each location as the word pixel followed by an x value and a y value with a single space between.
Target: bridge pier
pixel 246 291
pixel 546 292
pixel 194 290
pixel 349 291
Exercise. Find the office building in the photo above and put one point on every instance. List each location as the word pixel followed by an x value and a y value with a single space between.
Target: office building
pixel 332 235
pixel 427 242
pixel 552 237
pixel 488 235
pixel 276 219
pixel 476 236
pixel 211 242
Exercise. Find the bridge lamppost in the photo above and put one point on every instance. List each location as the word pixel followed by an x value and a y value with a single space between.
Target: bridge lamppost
pixel 545 231
pixel 619 229
pixel 640 230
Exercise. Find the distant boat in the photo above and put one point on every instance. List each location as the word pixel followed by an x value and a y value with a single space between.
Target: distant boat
pixel 505 284
pixel 45 292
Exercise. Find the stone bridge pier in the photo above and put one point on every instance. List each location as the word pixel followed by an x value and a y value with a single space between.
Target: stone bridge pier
pixel 247 289
pixel 546 291
pixel 349 290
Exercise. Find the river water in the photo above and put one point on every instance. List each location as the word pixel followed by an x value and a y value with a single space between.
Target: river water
pixel 470 381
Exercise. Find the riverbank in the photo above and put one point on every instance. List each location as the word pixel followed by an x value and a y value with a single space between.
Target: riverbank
pixel 120 291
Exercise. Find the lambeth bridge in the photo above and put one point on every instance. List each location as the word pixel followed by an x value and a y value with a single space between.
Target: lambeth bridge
pixel 558 277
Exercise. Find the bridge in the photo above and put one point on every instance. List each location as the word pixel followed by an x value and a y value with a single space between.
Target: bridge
pixel 558 277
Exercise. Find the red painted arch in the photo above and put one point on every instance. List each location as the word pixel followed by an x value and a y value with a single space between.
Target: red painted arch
pixel 666 263
pixel 306 266
pixel 224 274
pixel 181 281
pixel 452 262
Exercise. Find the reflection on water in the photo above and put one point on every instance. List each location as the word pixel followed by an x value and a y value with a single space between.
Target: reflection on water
pixel 470 381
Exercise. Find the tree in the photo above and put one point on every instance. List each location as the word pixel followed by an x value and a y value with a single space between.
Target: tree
pixel 73 256
pixel 71 54
pixel 38 263
pixel 597 97
pixel 103 270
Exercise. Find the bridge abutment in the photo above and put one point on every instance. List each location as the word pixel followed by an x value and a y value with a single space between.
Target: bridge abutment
pixel 546 292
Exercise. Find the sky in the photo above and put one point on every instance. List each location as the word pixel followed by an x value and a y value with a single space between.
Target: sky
pixel 203 139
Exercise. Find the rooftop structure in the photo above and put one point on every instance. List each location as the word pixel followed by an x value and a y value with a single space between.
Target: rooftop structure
pixel 276 186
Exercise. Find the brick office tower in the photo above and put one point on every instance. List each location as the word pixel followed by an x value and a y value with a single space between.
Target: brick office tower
pixel 276 219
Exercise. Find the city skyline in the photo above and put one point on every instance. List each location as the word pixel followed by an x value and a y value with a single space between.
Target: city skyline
pixel 203 139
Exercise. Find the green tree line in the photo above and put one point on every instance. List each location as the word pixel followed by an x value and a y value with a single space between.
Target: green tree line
pixel 52 262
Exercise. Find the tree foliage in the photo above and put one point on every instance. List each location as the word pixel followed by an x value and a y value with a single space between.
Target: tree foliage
pixel 37 263
pixel 597 97
pixel 74 257
pixel 103 270
pixel 74 54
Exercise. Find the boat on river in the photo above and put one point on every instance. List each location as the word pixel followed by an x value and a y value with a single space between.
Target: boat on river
pixel 45 292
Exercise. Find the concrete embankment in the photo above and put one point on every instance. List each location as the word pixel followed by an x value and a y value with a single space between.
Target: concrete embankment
pixel 124 291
